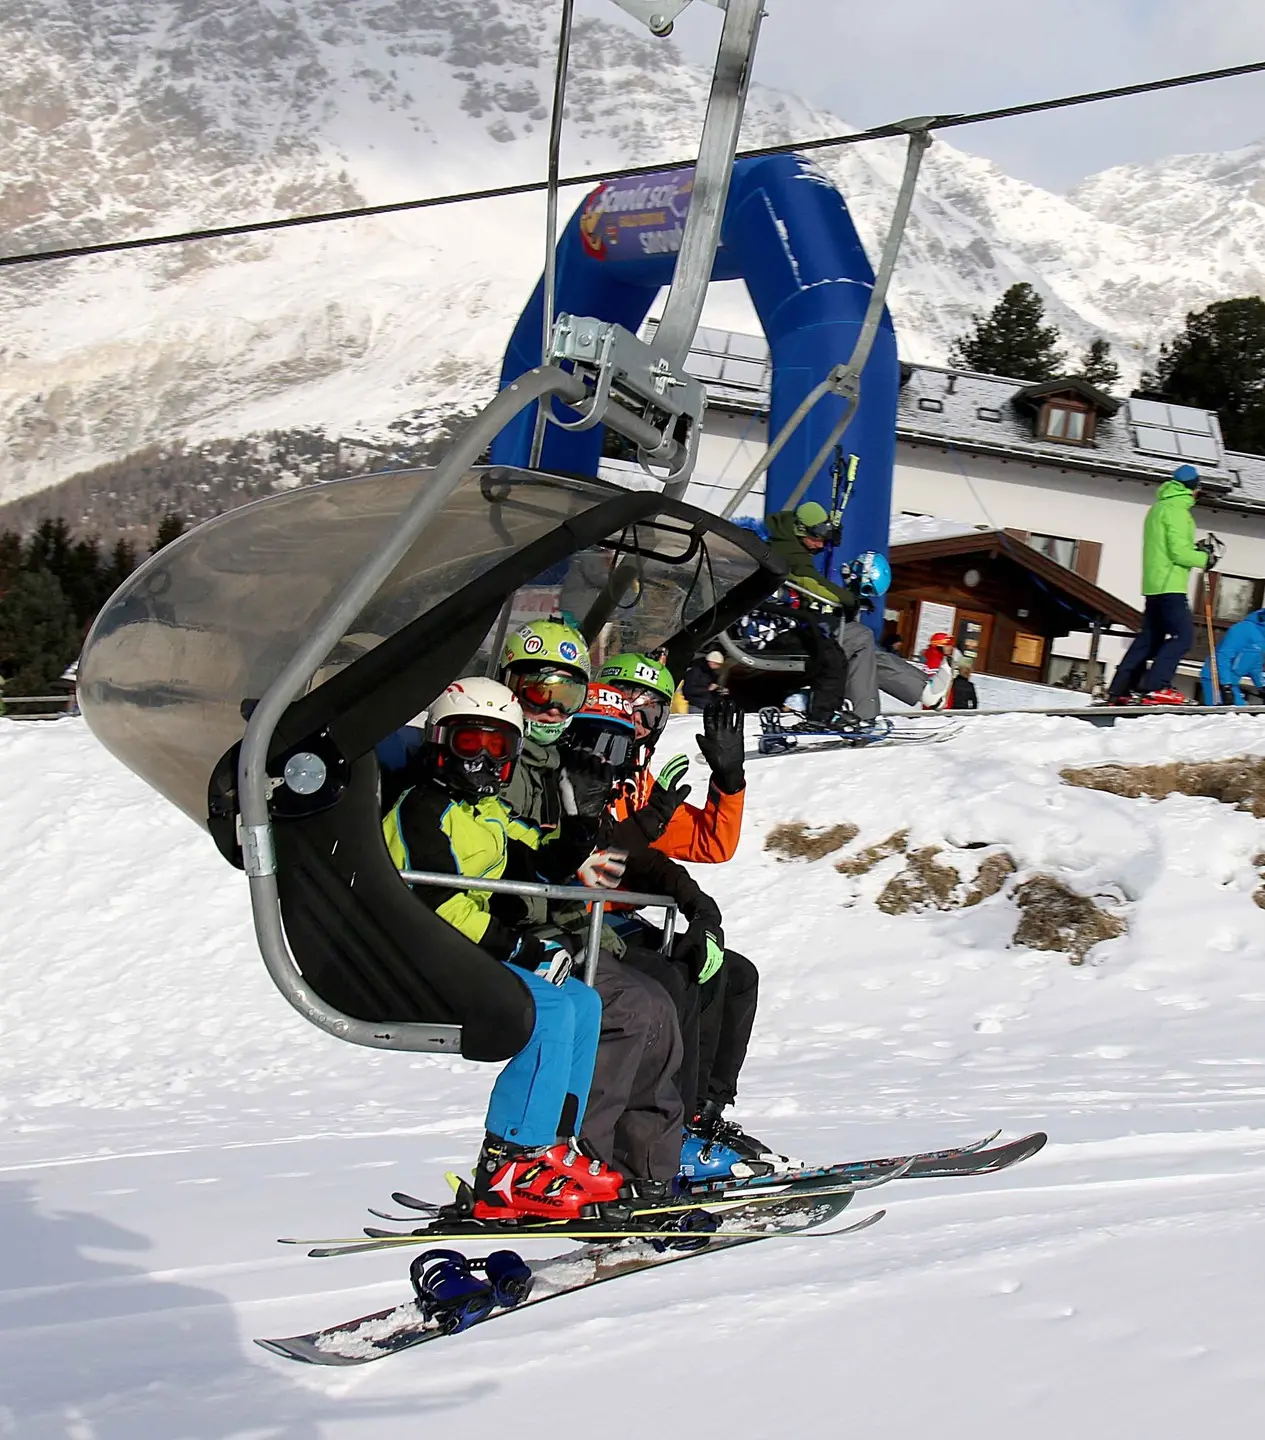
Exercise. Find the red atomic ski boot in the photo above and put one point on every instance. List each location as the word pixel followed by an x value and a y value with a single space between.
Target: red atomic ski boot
pixel 1167 696
pixel 557 1183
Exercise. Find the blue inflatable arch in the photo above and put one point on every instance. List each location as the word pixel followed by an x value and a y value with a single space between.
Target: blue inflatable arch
pixel 787 234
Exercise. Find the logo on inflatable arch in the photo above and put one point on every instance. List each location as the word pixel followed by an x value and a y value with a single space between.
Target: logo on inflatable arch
pixel 638 217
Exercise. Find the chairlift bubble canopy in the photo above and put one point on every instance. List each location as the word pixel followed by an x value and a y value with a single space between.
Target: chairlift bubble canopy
pixel 182 651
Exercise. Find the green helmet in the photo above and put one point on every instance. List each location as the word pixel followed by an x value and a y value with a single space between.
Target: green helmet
pixel 641 670
pixel 548 642
pixel 809 515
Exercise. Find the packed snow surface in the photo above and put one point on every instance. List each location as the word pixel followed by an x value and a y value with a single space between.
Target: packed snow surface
pixel 167 1116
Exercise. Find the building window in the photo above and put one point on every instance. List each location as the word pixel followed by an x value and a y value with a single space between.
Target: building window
pixel 1067 423
pixel 929 403
pixel 986 412
pixel 1056 548
pixel 1235 596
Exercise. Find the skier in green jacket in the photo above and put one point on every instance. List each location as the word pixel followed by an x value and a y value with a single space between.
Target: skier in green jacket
pixel 845 670
pixel 1169 553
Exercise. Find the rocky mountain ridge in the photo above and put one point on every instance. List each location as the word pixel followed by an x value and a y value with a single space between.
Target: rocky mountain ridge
pixel 124 117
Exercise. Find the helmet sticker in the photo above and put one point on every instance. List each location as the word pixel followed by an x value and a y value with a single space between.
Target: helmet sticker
pixel 533 644
pixel 648 673
pixel 567 650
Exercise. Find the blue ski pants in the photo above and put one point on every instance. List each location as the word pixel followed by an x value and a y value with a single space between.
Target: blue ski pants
pixel 557 1061
pixel 1166 634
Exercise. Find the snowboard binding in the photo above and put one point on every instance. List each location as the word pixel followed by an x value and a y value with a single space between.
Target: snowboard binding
pixel 453 1297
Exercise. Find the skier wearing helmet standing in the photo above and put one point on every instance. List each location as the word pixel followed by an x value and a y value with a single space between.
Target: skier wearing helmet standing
pixel 1169 553
pixel 452 819
pixel 845 670
pixel 727 995
pixel 634 1115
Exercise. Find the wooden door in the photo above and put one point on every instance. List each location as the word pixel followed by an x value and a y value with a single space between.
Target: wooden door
pixel 974 634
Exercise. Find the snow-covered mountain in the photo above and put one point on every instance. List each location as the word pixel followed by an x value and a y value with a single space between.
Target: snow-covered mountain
pixel 121 117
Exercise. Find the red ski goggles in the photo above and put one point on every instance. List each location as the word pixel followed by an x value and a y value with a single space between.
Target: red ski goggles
pixel 469 741
pixel 546 689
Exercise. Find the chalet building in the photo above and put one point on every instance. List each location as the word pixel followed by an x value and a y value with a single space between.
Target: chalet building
pixel 1053 479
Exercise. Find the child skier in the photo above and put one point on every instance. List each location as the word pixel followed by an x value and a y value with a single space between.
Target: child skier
pixel 845 669
pixel 708 835
pixel 1240 656
pixel 634 1115
pixel 453 820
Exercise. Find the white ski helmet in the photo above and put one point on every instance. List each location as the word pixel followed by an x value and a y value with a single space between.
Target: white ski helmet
pixel 478 697
pixel 474 734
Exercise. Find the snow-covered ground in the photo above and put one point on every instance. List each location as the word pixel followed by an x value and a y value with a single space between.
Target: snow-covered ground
pixel 166 1116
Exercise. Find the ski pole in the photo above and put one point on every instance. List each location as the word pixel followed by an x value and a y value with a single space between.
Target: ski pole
pixel 1212 648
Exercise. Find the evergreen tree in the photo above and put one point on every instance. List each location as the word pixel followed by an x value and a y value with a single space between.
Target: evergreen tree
pixel 1012 340
pixel 1218 363
pixel 122 563
pixel 170 527
pixel 39 636
pixel 1098 366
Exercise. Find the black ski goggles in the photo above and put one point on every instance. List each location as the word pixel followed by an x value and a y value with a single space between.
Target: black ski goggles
pixel 827 531
pixel 649 708
pixel 613 745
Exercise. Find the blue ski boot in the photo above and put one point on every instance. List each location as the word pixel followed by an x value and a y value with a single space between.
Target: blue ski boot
pixel 720 1149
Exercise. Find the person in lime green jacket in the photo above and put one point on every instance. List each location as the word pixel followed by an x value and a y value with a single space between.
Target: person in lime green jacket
pixel 1169 553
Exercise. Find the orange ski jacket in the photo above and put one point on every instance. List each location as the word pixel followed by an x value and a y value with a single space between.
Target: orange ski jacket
pixel 707 836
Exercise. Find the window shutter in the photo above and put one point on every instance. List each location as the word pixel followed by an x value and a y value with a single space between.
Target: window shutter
pixel 1088 556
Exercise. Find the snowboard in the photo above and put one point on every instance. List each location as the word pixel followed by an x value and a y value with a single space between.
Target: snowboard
pixel 402 1327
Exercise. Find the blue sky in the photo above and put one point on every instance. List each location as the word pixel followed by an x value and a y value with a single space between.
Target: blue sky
pixel 871 62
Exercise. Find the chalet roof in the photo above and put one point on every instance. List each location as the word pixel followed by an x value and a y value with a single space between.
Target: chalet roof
pixel 984 413
pixel 1032 397
pixel 1089 599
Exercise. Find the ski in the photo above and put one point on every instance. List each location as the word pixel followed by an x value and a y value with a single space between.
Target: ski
pixel 784 731
pixel 1104 714
pixel 401 1327
pixel 961 1162
pixel 741 1206
pixel 979 1157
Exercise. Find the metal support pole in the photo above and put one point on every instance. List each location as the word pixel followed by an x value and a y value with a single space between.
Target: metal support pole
pixel 549 283
pixel 712 174
pixel 593 944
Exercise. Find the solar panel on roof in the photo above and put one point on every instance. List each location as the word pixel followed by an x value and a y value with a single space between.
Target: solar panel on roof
pixel 703 366
pixel 744 372
pixel 1199 447
pixel 751 347
pixel 1157 442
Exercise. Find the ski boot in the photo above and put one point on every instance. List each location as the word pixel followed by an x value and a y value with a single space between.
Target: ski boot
pixel 720 1149
pixel 556 1183
pixel 1167 696
pixel 453 1297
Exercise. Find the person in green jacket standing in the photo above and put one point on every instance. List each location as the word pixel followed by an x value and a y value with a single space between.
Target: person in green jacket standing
pixel 1169 553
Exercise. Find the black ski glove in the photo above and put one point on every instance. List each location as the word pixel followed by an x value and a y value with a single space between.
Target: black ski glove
pixel 1213 547
pixel 668 794
pixel 702 948
pixel 586 785
pixel 723 745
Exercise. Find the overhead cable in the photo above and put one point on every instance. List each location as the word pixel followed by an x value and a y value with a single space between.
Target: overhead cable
pixel 534 187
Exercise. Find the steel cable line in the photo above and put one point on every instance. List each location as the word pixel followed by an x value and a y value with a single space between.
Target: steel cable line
pixel 534 187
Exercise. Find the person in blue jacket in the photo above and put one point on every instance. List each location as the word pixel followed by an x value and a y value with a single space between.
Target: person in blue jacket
pixel 1240 656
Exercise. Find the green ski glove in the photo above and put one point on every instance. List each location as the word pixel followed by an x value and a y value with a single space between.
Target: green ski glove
pixel 668 793
pixel 713 959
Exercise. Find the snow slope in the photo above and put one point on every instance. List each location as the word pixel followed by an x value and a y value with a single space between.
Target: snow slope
pixel 166 1116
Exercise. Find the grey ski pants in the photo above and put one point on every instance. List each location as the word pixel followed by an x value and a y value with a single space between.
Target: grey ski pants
pixel 864 671
pixel 634 1116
